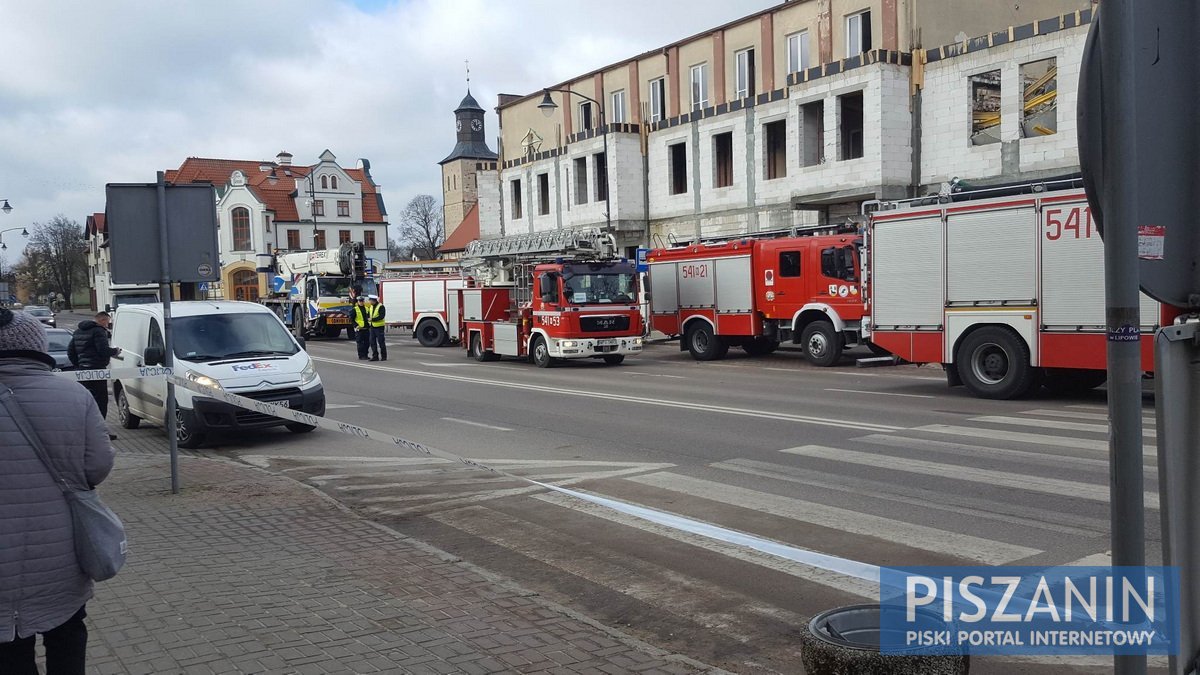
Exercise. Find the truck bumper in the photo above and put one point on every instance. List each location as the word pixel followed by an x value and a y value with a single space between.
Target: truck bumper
pixel 209 414
pixel 585 348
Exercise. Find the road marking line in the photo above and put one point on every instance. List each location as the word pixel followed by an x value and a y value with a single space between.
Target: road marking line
pixel 880 393
pixel 641 400
pixel 1019 437
pixel 1099 417
pixel 655 584
pixel 831 579
pixel 1020 481
pixel 380 405
pixel 1052 424
pixel 476 424
pixel 544 477
pixel 843 520
pixel 339 406
pixel 636 373
pixel 263 460
pixel 976 451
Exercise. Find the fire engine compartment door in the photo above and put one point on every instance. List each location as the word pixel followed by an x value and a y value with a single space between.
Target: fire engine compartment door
pixel 664 288
pixel 452 315
pixel 697 287
pixel 991 257
pixel 429 296
pixel 909 276
pixel 506 341
pixel 734 285
pixel 402 302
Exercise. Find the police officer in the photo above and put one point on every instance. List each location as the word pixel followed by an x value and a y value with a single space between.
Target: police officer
pixel 376 314
pixel 362 324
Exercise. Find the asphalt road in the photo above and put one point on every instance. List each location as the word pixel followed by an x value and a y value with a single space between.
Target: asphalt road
pixel 880 466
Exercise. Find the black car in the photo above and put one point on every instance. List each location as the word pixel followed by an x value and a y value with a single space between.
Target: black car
pixel 59 339
pixel 42 314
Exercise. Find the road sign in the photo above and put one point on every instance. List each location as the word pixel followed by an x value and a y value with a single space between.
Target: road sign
pixel 133 226
pixel 642 266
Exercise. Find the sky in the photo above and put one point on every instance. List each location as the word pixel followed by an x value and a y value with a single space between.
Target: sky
pixel 99 92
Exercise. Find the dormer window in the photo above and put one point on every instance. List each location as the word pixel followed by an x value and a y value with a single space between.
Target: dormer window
pixel 324 182
pixel 333 182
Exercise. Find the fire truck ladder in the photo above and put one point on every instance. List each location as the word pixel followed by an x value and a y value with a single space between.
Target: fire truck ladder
pixel 582 243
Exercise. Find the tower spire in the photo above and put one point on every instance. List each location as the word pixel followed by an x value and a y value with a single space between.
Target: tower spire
pixel 468 63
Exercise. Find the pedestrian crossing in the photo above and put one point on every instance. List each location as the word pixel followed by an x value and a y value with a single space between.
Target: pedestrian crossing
pixel 1023 487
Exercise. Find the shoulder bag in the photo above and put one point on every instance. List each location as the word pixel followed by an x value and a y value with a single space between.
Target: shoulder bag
pixel 100 545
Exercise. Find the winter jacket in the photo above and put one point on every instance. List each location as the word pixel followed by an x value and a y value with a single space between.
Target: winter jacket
pixel 89 348
pixel 41 584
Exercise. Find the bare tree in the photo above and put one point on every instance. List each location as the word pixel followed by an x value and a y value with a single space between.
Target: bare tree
pixel 397 250
pixel 421 227
pixel 55 259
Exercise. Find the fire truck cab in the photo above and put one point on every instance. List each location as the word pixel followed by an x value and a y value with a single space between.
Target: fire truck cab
pixel 581 303
pixel 756 293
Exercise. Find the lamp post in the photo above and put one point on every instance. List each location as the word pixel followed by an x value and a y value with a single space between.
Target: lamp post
pixel 548 106
pixel 3 247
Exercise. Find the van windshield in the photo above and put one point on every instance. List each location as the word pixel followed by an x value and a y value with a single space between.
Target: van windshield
pixel 213 337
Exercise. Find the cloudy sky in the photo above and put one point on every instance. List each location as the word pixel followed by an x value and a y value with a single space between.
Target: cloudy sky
pixel 112 91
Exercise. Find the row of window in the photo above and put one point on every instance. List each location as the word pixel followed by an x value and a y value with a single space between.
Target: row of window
pixel 329 183
pixel 343 208
pixel 293 239
pixel 579 166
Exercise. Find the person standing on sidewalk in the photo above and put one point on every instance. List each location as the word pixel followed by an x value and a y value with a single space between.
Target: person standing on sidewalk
pixel 378 327
pixel 362 322
pixel 89 350
pixel 42 589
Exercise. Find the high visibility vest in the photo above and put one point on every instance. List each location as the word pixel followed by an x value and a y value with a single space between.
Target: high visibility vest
pixel 377 321
pixel 360 316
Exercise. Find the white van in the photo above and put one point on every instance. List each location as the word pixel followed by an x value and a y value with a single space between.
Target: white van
pixel 240 347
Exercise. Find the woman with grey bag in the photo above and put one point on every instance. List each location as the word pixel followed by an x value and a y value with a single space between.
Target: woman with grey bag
pixel 42 587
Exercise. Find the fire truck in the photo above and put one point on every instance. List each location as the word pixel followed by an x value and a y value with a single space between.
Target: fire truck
pixel 562 294
pixel 310 290
pixel 424 302
pixel 758 292
pixel 1004 287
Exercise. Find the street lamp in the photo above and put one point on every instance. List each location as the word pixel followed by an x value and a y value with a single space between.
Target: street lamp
pixel 6 208
pixel 548 106
pixel 24 233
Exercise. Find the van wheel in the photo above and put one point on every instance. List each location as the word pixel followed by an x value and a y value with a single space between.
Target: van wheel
pixel 187 437
pixel 614 359
pixel 126 416
pixel 431 334
pixel 704 344
pixel 298 428
pixel 760 346
pixel 539 353
pixel 822 343
pixel 993 362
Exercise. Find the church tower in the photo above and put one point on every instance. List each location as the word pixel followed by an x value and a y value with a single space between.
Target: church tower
pixel 460 185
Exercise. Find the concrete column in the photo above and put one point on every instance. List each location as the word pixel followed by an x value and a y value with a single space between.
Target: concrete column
pixel 673 76
pixel 766 69
pixel 718 61
pixel 635 93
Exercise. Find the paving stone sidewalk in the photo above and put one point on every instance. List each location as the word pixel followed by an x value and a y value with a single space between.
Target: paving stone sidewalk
pixel 249 572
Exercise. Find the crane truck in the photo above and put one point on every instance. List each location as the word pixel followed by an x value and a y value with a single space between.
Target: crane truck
pixel 545 297
pixel 310 290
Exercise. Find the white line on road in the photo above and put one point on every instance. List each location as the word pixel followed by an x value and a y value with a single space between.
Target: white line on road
pixel 641 400
pixel 476 424
pixel 842 520
pixel 1052 424
pixel 1016 436
pixel 1071 414
pixel 380 405
pixel 636 373
pixel 339 406
pixel 1021 481
pixel 880 393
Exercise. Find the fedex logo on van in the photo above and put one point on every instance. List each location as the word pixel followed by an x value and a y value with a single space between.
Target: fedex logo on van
pixel 253 366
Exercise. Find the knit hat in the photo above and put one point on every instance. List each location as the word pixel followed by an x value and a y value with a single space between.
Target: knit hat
pixel 21 332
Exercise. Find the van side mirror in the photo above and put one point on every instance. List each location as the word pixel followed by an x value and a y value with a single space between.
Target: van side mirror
pixel 548 287
pixel 154 356
pixel 108 309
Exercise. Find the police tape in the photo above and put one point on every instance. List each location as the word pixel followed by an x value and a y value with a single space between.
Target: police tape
pixel 101 374
pixel 842 566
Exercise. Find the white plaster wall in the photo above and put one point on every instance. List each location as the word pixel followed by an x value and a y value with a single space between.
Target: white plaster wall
pixel 489 204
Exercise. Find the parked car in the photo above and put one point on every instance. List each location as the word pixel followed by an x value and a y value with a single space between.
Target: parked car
pixel 42 314
pixel 59 339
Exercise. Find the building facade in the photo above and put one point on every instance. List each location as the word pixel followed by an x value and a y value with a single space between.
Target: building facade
pixel 99 261
pixel 793 116
pixel 462 167
pixel 269 207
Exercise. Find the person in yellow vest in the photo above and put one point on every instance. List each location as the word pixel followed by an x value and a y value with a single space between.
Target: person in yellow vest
pixel 376 317
pixel 362 325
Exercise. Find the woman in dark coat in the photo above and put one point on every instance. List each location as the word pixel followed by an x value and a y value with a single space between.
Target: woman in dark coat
pixel 42 589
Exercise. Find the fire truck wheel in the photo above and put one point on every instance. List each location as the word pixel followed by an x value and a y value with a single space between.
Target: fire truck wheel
pixel 993 362
pixel 822 343
pixel 476 350
pixel 614 359
pixel 539 353
pixel 431 334
pixel 760 346
pixel 703 343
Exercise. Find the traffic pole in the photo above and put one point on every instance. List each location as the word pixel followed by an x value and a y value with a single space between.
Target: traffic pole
pixel 164 290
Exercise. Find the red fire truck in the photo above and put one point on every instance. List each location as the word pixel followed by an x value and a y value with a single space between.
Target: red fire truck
pixel 1006 291
pixel 758 292
pixel 544 297
pixel 424 302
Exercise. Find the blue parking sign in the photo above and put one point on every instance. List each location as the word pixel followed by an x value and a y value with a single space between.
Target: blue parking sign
pixel 641 260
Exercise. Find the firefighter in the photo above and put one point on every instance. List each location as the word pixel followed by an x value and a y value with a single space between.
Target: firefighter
pixel 376 317
pixel 362 324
